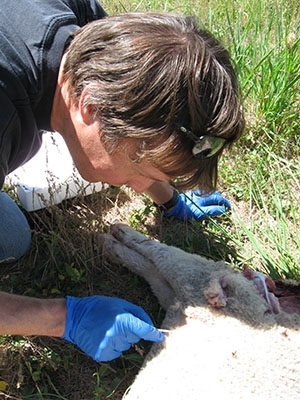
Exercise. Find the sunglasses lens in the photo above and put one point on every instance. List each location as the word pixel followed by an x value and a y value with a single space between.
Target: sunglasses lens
pixel 207 146
pixel 204 146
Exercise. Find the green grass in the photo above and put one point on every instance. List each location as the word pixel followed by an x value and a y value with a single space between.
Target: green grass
pixel 260 176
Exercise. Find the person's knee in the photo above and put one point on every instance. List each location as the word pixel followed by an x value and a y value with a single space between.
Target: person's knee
pixel 15 235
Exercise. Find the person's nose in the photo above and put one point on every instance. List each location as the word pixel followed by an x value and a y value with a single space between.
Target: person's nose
pixel 140 185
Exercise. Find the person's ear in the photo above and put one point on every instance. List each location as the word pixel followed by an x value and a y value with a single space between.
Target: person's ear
pixel 87 111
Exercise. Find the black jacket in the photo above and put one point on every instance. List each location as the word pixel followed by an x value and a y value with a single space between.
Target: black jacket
pixel 33 37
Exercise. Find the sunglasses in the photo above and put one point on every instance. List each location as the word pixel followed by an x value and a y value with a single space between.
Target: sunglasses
pixel 204 146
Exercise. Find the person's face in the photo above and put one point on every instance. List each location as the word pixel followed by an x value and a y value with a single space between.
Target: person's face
pixel 123 171
pixel 95 164
pixel 118 169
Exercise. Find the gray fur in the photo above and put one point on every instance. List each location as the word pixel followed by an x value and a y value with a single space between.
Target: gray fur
pixel 239 350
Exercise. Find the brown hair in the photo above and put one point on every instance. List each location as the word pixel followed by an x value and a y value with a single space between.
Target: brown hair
pixel 148 73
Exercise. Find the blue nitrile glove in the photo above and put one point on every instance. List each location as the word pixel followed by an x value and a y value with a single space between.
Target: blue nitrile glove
pixel 196 205
pixel 103 327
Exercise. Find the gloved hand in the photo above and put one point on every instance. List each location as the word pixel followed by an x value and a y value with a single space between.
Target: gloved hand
pixel 196 205
pixel 103 326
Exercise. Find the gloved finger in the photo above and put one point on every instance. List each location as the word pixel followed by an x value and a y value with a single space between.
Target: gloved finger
pixel 127 330
pixel 211 211
pixel 111 347
pixel 213 198
pixel 135 329
pixel 109 355
pixel 138 312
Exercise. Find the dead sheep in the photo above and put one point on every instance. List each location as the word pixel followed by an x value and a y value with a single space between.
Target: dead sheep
pixel 224 340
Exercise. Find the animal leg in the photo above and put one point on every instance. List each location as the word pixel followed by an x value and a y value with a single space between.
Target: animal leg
pixel 121 254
